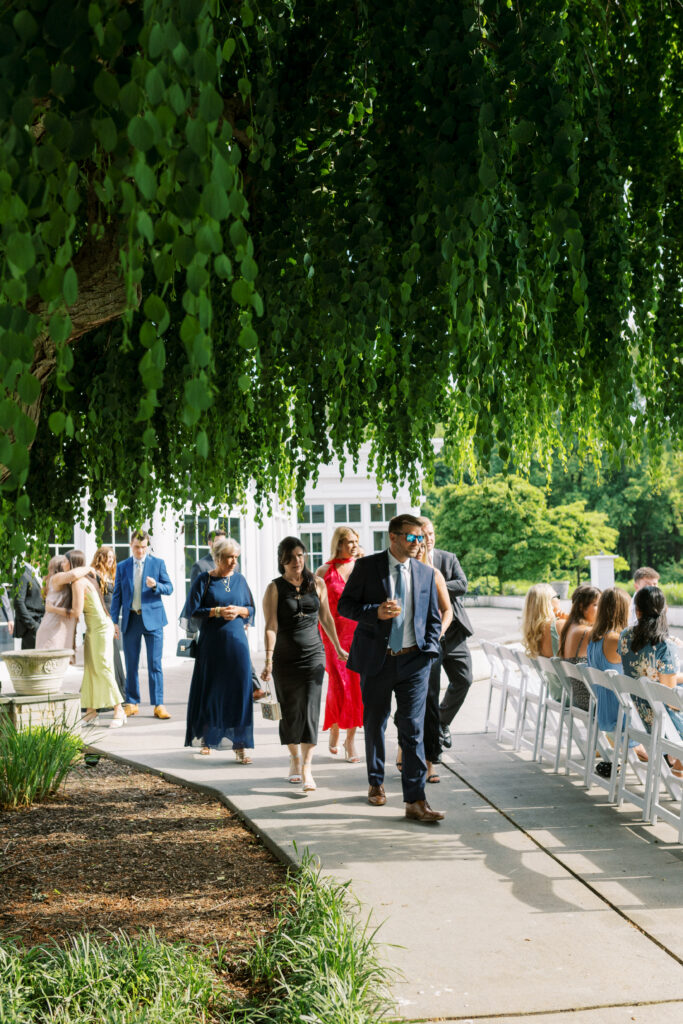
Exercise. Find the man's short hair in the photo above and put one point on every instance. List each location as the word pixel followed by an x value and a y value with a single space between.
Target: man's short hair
pixel 645 572
pixel 405 519
pixel 220 532
pixel 139 535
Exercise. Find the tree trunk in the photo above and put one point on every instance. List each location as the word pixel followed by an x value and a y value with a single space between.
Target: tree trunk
pixel 101 299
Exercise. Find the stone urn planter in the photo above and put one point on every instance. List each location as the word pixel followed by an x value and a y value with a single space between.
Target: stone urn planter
pixel 37 672
pixel 561 588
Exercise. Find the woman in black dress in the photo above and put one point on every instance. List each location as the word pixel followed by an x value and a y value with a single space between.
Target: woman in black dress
pixel 293 605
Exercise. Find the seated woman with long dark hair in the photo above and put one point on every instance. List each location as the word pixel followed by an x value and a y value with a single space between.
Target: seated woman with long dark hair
pixel 647 649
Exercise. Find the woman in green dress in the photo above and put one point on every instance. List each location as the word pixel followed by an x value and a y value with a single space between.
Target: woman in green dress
pixel 98 689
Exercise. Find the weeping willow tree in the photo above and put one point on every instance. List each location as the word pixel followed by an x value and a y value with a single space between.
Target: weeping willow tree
pixel 238 238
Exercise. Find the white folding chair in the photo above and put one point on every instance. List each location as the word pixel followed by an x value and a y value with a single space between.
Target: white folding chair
pixel 497 681
pixel 580 720
pixel 595 679
pixel 533 686
pixel 634 731
pixel 670 742
pixel 511 696
pixel 553 705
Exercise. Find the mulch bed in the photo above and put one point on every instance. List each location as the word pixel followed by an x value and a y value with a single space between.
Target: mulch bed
pixel 121 849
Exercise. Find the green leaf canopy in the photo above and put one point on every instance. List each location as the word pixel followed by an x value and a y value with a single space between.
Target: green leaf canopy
pixel 361 221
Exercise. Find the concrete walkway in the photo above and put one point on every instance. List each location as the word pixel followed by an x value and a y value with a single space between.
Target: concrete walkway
pixel 532 898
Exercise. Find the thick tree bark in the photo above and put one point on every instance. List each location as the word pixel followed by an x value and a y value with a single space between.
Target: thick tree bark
pixel 101 299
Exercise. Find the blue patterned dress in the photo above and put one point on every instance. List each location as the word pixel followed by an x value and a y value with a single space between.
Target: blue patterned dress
pixel 650 661
pixel 220 708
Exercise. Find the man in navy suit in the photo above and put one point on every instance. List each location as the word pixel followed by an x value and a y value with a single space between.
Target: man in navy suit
pixel 392 597
pixel 140 582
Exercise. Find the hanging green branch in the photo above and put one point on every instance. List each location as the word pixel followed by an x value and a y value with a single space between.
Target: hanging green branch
pixel 236 240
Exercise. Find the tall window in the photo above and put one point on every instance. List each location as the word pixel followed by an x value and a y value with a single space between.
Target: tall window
pixel 197 529
pixel 314 546
pixel 65 543
pixel 312 514
pixel 116 535
pixel 382 512
pixel 380 541
pixel 347 513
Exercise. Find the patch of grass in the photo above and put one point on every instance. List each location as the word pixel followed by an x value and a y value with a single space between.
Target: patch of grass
pixel 125 981
pixel 320 964
pixel 34 762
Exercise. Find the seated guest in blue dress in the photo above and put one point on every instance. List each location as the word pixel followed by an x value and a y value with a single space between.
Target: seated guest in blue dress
pixel 646 649
pixel 220 706
pixel 603 654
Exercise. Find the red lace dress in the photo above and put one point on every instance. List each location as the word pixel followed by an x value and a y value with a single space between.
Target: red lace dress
pixel 344 704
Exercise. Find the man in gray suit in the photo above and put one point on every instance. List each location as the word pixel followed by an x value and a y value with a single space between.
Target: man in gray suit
pixel 455 657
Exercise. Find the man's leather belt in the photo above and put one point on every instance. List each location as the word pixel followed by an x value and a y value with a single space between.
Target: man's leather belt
pixel 136 611
pixel 404 650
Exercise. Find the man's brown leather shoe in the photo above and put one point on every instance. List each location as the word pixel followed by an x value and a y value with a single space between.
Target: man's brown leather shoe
pixel 161 712
pixel 131 709
pixel 421 811
pixel 376 796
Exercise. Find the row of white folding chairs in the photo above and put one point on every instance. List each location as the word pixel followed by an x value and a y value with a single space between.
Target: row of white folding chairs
pixel 550 706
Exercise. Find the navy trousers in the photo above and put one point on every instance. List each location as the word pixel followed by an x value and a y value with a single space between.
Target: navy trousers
pixel 407 676
pixel 154 642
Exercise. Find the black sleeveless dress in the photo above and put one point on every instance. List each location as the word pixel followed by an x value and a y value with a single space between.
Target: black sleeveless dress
pixel 298 663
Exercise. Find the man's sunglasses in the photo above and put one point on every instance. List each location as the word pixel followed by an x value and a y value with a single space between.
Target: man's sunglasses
pixel 412 537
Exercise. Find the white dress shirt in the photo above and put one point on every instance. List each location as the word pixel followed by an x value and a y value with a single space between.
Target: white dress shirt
pixel 408 626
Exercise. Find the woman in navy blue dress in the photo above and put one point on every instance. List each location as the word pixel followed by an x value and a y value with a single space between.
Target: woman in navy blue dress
pixel 220 709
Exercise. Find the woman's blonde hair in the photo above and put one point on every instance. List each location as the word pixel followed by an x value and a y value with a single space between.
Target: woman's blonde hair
pixel 537 613
pixel 340 534
pixel 224 547
pixel 99 564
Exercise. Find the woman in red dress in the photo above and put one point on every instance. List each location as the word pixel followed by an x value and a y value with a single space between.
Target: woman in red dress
pixel 344 704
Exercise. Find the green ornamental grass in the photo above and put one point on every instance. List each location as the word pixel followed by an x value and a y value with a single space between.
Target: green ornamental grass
pixel 319 966
pixel 34 761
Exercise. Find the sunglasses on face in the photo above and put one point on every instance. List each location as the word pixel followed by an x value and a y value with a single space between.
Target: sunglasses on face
pixel 412 537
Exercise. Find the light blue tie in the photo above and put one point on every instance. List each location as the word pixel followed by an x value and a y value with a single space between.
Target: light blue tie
pixel 396 635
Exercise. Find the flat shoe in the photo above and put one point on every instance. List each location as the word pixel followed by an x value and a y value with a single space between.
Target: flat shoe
pixel 161 712
pixel 131 709
pixel 376 796
pixel 433 778
pixel 117 722
pixel 205 751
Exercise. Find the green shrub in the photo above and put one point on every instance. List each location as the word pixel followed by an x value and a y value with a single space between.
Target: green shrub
pixel 126 980
pixel 34 762
pixel 319 964
pixel 673 592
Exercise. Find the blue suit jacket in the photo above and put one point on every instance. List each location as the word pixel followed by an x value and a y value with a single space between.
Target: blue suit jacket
pixel 367 587
pixel 153 613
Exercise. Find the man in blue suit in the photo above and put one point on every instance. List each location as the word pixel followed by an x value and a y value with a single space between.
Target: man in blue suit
pixel 393 598
pixel 140 582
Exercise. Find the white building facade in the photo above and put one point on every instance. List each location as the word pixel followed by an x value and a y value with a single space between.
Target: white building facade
pixel 182 539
